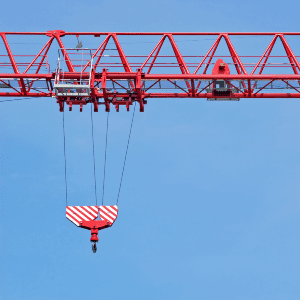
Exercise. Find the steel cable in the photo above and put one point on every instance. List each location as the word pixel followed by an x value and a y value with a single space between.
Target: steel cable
pixel 16 99
pixel 94 155
pixel 126 153
pixel 64 133
pixel 105 158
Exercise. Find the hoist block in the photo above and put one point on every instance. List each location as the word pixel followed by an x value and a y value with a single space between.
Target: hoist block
pixel 85 217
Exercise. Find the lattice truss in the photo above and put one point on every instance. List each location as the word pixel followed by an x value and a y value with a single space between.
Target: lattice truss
pixel 156 65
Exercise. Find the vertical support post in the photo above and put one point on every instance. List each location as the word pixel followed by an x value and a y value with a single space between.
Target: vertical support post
pixel 103 87
pixel 249 88
pixel 92 89
pixel 138 89
pixel 192 90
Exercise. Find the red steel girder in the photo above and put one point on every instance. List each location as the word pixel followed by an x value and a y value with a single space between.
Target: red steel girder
pixel 98 33
pixel 138 73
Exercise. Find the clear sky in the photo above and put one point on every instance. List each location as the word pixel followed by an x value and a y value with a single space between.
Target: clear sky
pixel 209 207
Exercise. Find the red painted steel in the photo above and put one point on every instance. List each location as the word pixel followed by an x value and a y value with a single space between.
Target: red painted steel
pixel 88 79
pixel 85 217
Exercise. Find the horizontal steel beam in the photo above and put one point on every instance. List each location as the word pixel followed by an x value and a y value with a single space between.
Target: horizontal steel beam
pixel 153 33
pixel 133 75
pixel 78 82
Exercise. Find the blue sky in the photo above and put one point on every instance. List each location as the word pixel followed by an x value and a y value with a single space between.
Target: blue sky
pixel 209 207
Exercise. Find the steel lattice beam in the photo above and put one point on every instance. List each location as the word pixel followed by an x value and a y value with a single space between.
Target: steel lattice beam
pixel 138 81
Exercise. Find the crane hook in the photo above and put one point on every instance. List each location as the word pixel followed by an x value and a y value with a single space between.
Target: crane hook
pixel 94 247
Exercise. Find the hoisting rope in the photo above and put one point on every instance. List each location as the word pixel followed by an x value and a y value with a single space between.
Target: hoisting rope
pixel 64 134
pixel 65 158
pixel 105 158
pixel 126 153
pixel 94 155
pixel 16 99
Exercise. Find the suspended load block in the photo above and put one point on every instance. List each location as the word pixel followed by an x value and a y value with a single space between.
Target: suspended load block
pixel 85 217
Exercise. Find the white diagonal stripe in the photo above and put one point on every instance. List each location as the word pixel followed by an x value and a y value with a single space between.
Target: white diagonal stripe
pixel 73 221
pixel 104 208
pixel 111 212
pixel 109 215
pixel 107 218
pixel 78 212
pixel 112 209
pixel 91 211
pixel 84 212
pixel 68 210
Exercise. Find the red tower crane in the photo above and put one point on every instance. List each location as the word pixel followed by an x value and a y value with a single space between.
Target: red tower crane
pixel 101 77
pixel 85 75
